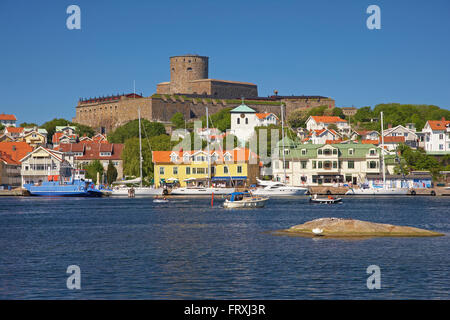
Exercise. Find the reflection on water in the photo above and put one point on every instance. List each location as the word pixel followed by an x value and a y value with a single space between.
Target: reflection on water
pixel 184 249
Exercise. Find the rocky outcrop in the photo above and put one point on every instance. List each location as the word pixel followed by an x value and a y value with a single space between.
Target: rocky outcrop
pixel 338 227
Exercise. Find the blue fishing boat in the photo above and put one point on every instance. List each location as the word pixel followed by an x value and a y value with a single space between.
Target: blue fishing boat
pixel 65 185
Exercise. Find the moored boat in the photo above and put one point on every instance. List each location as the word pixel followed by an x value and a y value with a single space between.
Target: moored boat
pixel 244 200
pixel 273 188
pixel 64 185
pixel 328 199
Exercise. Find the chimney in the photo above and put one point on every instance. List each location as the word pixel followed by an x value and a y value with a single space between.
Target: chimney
pixel 389 125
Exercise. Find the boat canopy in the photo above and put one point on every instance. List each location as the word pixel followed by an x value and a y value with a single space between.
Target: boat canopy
pixel 132 181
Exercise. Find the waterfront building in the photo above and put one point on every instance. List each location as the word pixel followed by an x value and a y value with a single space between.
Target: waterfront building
pixel 9 171
pixel 85 152
pixel 244 120
pixel 437 136
pixel 323 122
pixel 416 180
pixel 8 120
pixel 41 163
pixel 237 166
pixel 326 164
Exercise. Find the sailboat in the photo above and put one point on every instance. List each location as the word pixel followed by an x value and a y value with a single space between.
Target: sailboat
pixel 276 188
pixel 139 191
pixel 384 191
pixel 208 190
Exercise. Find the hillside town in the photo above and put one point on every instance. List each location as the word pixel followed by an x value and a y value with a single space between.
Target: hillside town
pixel 327 151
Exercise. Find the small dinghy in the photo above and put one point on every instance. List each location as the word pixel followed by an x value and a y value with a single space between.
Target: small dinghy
pixel 328 199
pixel 160 200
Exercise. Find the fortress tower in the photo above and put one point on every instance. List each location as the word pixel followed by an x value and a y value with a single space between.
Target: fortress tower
pixel 184 69
pixel 189 75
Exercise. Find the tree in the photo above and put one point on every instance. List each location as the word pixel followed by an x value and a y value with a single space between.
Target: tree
pixel 51 125
pixel 298 117
pixel 111 173
pixel 178 120
pixel 131 130
pixel 92 169
pixel 28 125
pixel 80 129
pixel 220 120
pixel 130 154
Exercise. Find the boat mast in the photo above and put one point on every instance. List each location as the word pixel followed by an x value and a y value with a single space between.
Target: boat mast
pixel 207 142
pixel 140 142
pixel 282 141
pixel 382 152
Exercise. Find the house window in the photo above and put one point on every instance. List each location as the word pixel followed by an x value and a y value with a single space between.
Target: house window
pixel 350 152
pixel 238 121
pixel 334 164
pixel 201 171
pixel 175 170
pixel 372 164
pixel 239 169
pixel 227 157
pixel 161 170
pixel 372 152
pixel 334 151
pixel 304 163
pixel 441 147
pixel 320 164
pixel 319 152
pixel 441 136
pixel 287 151
pixel 286 165
pixel 194 170
pixel 186 158
pixel 225 169
pixel 303 152
pixel 188 170
pixel 351 164
pixel 246 120
pixel 314 164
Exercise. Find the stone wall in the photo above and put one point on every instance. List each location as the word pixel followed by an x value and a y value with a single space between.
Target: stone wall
pixel 110 115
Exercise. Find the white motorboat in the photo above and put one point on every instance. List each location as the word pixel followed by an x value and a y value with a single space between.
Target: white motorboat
pixel 123 191
pixel 244 200
pixel 279 189
pixel 377 191
pixel 328 200
pixel 200 191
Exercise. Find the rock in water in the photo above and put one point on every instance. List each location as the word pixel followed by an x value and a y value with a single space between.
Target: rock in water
pixel 339 227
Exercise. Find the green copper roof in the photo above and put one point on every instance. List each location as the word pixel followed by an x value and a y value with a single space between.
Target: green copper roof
pixel 243 109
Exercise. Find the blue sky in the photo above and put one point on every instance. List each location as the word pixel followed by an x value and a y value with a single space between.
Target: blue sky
pixel 297 47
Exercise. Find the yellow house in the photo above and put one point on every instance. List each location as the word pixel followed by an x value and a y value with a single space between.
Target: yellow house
pixel 35 139
pixel 236 167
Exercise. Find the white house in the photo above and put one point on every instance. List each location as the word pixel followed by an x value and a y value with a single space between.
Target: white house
pixel 437 136
pixel 322 136
pixel 41 163
pixel 8 120
pixel 325 164
pixel 411 138
pixel 322 122
pixel 244 120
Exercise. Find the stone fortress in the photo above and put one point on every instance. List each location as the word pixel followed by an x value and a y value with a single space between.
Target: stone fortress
pixel 189 91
